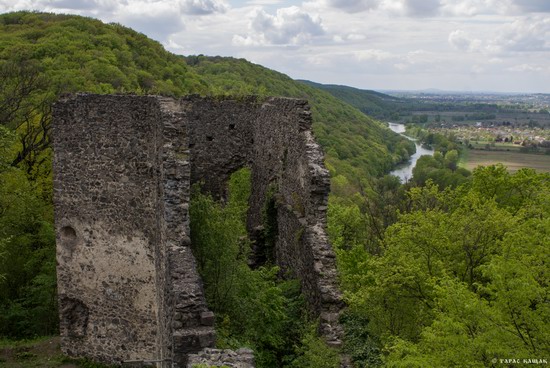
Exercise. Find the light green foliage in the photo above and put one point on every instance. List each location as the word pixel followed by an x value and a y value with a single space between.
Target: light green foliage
pixel 221 246
pixel 441 168
pixel 82 54
pixel 359 219
pixel 463 276
pixel 347 224
pixel 314 353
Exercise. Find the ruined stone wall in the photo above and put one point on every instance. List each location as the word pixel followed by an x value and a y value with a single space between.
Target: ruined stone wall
pixel 187 324
pixel 287 156
pixel 128 284
pixel 220 139
pixel 273 137
pixel 106 196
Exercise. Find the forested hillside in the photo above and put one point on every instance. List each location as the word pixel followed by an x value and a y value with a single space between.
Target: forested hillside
pixel 45 55
pixel 372 103
pixel 448 270
pixel 356 145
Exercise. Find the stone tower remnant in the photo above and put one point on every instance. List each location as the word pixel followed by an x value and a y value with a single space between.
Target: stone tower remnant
pixel 129 290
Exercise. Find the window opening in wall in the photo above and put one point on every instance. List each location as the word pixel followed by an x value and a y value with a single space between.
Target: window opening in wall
pixel 264 250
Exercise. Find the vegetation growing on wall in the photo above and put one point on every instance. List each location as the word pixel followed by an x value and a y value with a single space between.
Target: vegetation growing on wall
pixel 253 307
pixel 449 270
pixel 44 55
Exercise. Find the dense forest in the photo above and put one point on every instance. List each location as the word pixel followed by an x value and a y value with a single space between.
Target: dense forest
pixel 448 270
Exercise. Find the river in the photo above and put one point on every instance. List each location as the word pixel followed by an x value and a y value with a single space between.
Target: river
pixel 404 171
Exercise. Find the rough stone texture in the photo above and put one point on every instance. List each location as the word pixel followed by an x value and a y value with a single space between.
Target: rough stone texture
pixel 128 284
pixel 242 358
pixel 106 198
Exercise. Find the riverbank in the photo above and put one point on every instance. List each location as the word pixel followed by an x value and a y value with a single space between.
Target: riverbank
pixel 404 171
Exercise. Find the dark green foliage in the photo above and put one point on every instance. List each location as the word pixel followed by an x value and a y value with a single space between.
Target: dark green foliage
pixel 433 140
pixel 27 245
pixel 265 248
pixel 42 352
pixel 363 349
pixel 313 353
pixel 443 171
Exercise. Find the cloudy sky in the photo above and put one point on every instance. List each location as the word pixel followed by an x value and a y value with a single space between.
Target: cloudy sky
pixel 462 45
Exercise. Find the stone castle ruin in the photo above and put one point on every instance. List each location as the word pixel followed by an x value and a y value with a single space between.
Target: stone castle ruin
pixel 129 290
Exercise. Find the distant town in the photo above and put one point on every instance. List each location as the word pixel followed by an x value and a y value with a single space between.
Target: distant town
pixel 531 101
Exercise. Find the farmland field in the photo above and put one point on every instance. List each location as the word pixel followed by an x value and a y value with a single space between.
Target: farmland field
pixel 513 160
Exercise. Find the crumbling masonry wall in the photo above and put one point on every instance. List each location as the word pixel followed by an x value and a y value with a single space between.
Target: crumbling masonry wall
pixel 123 166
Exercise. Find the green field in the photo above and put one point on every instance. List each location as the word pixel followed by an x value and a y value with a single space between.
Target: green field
pixel 513 160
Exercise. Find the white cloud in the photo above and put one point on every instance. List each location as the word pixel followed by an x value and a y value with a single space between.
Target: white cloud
pixel 476 7
pixel 422 8
pixel 289 26
pixel 355 37
pixel 522 68
pixel 203 7
pixel 478 69
pixel 75 6
pixel 419 57
pixel 524 35
pixel 542 6
pixel 158 19
pixel 462 41
pixel 353 6
pixel 372 54
pixel 81 4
